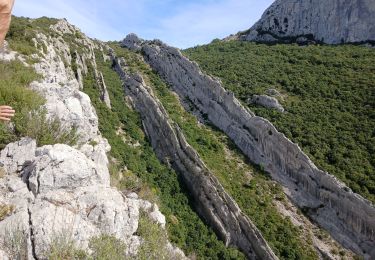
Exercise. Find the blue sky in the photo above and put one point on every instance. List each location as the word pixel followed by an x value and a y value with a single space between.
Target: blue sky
pixel 179 23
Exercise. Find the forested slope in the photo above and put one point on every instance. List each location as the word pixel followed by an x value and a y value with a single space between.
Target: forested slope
pixel 328 93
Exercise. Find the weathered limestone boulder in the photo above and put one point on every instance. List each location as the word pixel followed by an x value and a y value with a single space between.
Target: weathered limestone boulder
pixel 332 22
pixel 346 215
pixel 213 203
pixel 57 191
pixel 266 101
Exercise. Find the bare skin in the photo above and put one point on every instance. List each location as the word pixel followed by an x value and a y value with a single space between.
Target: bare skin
pixel 6 112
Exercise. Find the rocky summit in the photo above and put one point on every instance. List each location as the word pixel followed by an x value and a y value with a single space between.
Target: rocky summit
pixel 332 22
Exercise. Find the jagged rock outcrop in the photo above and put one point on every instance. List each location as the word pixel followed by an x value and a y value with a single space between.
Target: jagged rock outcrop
pixel 104 96
pixel 266 101
pixel 132 42
pixel 347 216
pixel 60 191
pixel 212 202
pixel 332 22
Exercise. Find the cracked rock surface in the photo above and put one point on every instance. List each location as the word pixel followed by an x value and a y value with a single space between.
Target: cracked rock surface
pixel 58 191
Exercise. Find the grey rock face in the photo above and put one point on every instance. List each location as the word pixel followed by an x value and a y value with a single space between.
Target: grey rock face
pixel 104 96
pixel 214 204
pixel 346 215
pixel 132 42
pixel 61 192
pixel 266 101
pixel 332 22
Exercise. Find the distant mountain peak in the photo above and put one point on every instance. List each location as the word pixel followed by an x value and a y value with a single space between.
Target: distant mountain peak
pixel 331 22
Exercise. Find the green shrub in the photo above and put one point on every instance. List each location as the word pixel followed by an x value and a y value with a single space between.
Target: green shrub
pixel 63 247
pixel 30 119
pixel 154 240
pixel 46 131
pixel 14 92
pixel 14 242
pixel 23 30
pixel 107 247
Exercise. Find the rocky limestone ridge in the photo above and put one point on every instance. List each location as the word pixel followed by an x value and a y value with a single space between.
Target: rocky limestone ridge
pixel 347 216
pixel 212 202
pixel 60 191
pixel 332 22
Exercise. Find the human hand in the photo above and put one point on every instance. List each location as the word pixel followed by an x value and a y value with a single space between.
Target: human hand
pixel 6 113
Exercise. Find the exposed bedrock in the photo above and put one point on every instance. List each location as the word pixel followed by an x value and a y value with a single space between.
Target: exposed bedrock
pixel 213 203
pixel 347 216
pixel 332 22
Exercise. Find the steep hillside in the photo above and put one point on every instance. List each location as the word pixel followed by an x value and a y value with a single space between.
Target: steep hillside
pixel 332 22
pixel 314 191
pixel 328 94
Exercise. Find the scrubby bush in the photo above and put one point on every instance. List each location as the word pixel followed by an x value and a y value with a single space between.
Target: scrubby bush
pixel 107 247
pixel 30 119
pixel 23 30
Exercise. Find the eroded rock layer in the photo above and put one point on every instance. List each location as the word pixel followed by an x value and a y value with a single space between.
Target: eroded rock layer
pixel 347 216
pixel 169 143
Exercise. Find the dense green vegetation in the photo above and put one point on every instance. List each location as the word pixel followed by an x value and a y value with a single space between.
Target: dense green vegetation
pixel 249 186
pixel 23 30
pixel 130 148
pixel 30 119
pixel 329 96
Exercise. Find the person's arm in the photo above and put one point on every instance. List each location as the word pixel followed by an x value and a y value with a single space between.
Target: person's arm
pixel 6 112
pixel 5 17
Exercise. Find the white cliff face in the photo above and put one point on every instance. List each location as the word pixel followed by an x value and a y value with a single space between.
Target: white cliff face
pixel 348 217
pixel 58 190
pixel 332 22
